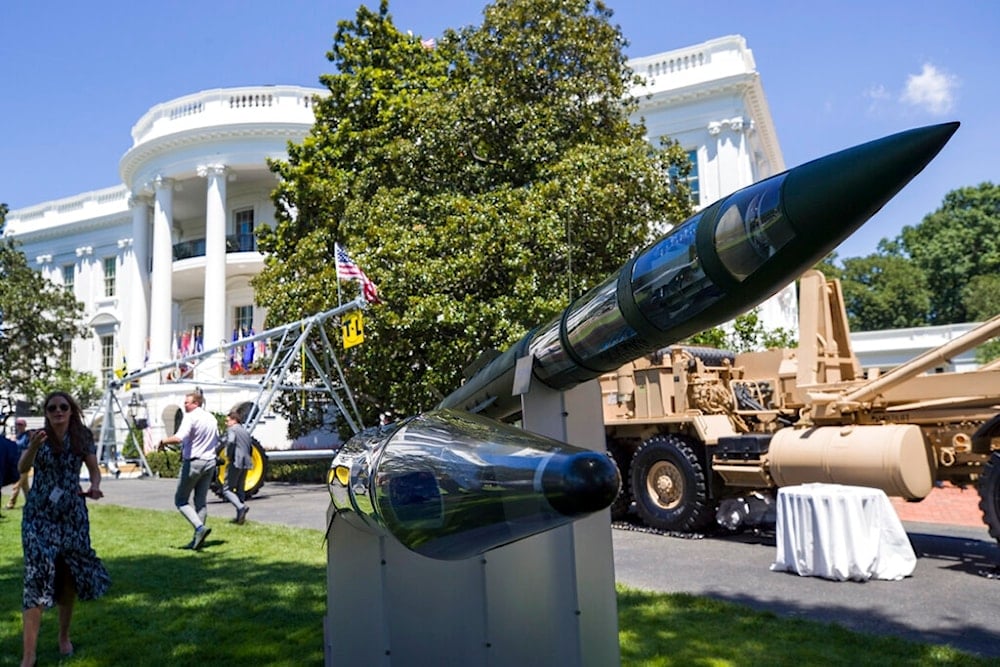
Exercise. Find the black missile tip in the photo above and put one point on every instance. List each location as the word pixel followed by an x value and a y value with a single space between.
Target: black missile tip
pixel 579 484
pixel 830 197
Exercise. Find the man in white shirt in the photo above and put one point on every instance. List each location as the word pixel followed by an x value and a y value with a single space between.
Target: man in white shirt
pixel 198 436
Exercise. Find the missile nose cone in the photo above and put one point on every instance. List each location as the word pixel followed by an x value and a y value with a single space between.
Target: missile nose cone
pixel 582 483
pixel 836 194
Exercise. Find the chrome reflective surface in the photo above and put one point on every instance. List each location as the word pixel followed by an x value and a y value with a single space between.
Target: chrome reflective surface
pixel 451 485
pixel 752 228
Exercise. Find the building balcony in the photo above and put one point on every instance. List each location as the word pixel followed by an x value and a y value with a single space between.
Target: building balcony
pixel 196 247
pixel 242 260
pixel 236 127
pixel 223 107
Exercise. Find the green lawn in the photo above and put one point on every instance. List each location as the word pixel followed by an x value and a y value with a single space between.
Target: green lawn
pixel 257 596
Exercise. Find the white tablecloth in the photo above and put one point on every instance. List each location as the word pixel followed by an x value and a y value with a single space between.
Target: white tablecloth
pixel 841 532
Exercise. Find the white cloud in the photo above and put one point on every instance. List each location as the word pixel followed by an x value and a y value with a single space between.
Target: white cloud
pixel 932 90
pixel 876 95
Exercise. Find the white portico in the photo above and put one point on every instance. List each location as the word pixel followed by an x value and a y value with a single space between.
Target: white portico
pixel 200 163
pixel 162 263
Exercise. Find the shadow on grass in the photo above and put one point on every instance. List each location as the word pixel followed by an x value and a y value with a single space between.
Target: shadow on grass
pixel 254 595
pixel 681 629
pixel 856 607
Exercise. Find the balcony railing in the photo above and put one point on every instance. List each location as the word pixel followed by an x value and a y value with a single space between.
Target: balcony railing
pixel 196 247
pixel 226 106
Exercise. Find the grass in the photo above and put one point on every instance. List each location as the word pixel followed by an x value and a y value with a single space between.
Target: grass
pixel 657 630
pixel 257 596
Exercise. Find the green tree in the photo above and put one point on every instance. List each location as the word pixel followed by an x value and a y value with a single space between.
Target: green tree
pixel 482 183
pixel 953 245
pixel 884 291
pixel 36 318
pixel 746 334
pixel 83 386
pixel 981 298
pixel 829 268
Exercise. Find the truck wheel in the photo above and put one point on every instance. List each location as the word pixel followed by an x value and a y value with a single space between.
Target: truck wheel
pixel 620 507
pixel 668 485
pixel 255 476
pixel 989 494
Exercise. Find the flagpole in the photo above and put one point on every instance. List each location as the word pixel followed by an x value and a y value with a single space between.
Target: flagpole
pixel 336 252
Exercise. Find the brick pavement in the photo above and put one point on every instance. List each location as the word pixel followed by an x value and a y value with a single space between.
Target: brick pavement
pixel 945 504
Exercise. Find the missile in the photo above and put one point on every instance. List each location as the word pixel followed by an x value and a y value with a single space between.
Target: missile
pixel 717 264
pixel 450 485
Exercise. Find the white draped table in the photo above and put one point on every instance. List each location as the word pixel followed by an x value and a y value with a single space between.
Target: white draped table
pixel 841 532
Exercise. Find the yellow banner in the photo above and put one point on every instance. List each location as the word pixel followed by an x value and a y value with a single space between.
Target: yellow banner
pixel 353 328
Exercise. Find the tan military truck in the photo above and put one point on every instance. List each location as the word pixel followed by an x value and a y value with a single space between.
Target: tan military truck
pixel 703 436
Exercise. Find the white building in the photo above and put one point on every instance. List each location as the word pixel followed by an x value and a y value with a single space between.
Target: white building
pixel 170 250
pixel 710 99
pixel 884 350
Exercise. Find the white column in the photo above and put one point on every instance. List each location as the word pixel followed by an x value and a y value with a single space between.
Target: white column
pixel 730 148
pixel 161 281
pixel 137 277
pixel 83 281
pixel 215 255
pixel 47 270
pixel 744 168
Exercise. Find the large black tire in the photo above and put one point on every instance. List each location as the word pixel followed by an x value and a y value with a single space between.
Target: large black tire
pixel 255 476
pixel 710 356
pixel 669 485
pixel 620 454
pixel 989 494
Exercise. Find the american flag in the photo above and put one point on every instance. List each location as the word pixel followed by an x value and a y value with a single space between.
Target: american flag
pixel 348 270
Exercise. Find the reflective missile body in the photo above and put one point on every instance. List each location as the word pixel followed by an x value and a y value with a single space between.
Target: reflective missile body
pixel 717 264
pixel 450 485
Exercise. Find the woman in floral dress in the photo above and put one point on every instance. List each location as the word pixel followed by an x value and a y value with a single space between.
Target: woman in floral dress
pixel 59 563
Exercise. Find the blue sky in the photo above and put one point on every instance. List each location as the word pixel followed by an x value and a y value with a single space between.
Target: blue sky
pixel 77 76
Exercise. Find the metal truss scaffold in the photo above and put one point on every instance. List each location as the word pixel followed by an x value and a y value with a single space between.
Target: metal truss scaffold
pixel 293 348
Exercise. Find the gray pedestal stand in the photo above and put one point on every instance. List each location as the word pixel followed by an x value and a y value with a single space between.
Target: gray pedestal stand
pixel 546 600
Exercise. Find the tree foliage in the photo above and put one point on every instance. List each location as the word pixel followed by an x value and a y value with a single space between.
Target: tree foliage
pixel 746 333
pixel 982 302
pixel 83 386
pixel 981 297
pixel 944 270
pixel 884 291
pixel 953 245
pixel 36 318
pixel 481 183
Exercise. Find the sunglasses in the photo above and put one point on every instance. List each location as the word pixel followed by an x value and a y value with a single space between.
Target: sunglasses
pixel 61 407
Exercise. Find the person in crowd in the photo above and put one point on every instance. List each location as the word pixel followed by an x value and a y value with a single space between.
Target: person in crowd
pixel 21 485
pixel 239 453
pixel 9 455
pixel 60 566
pixel 198 436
